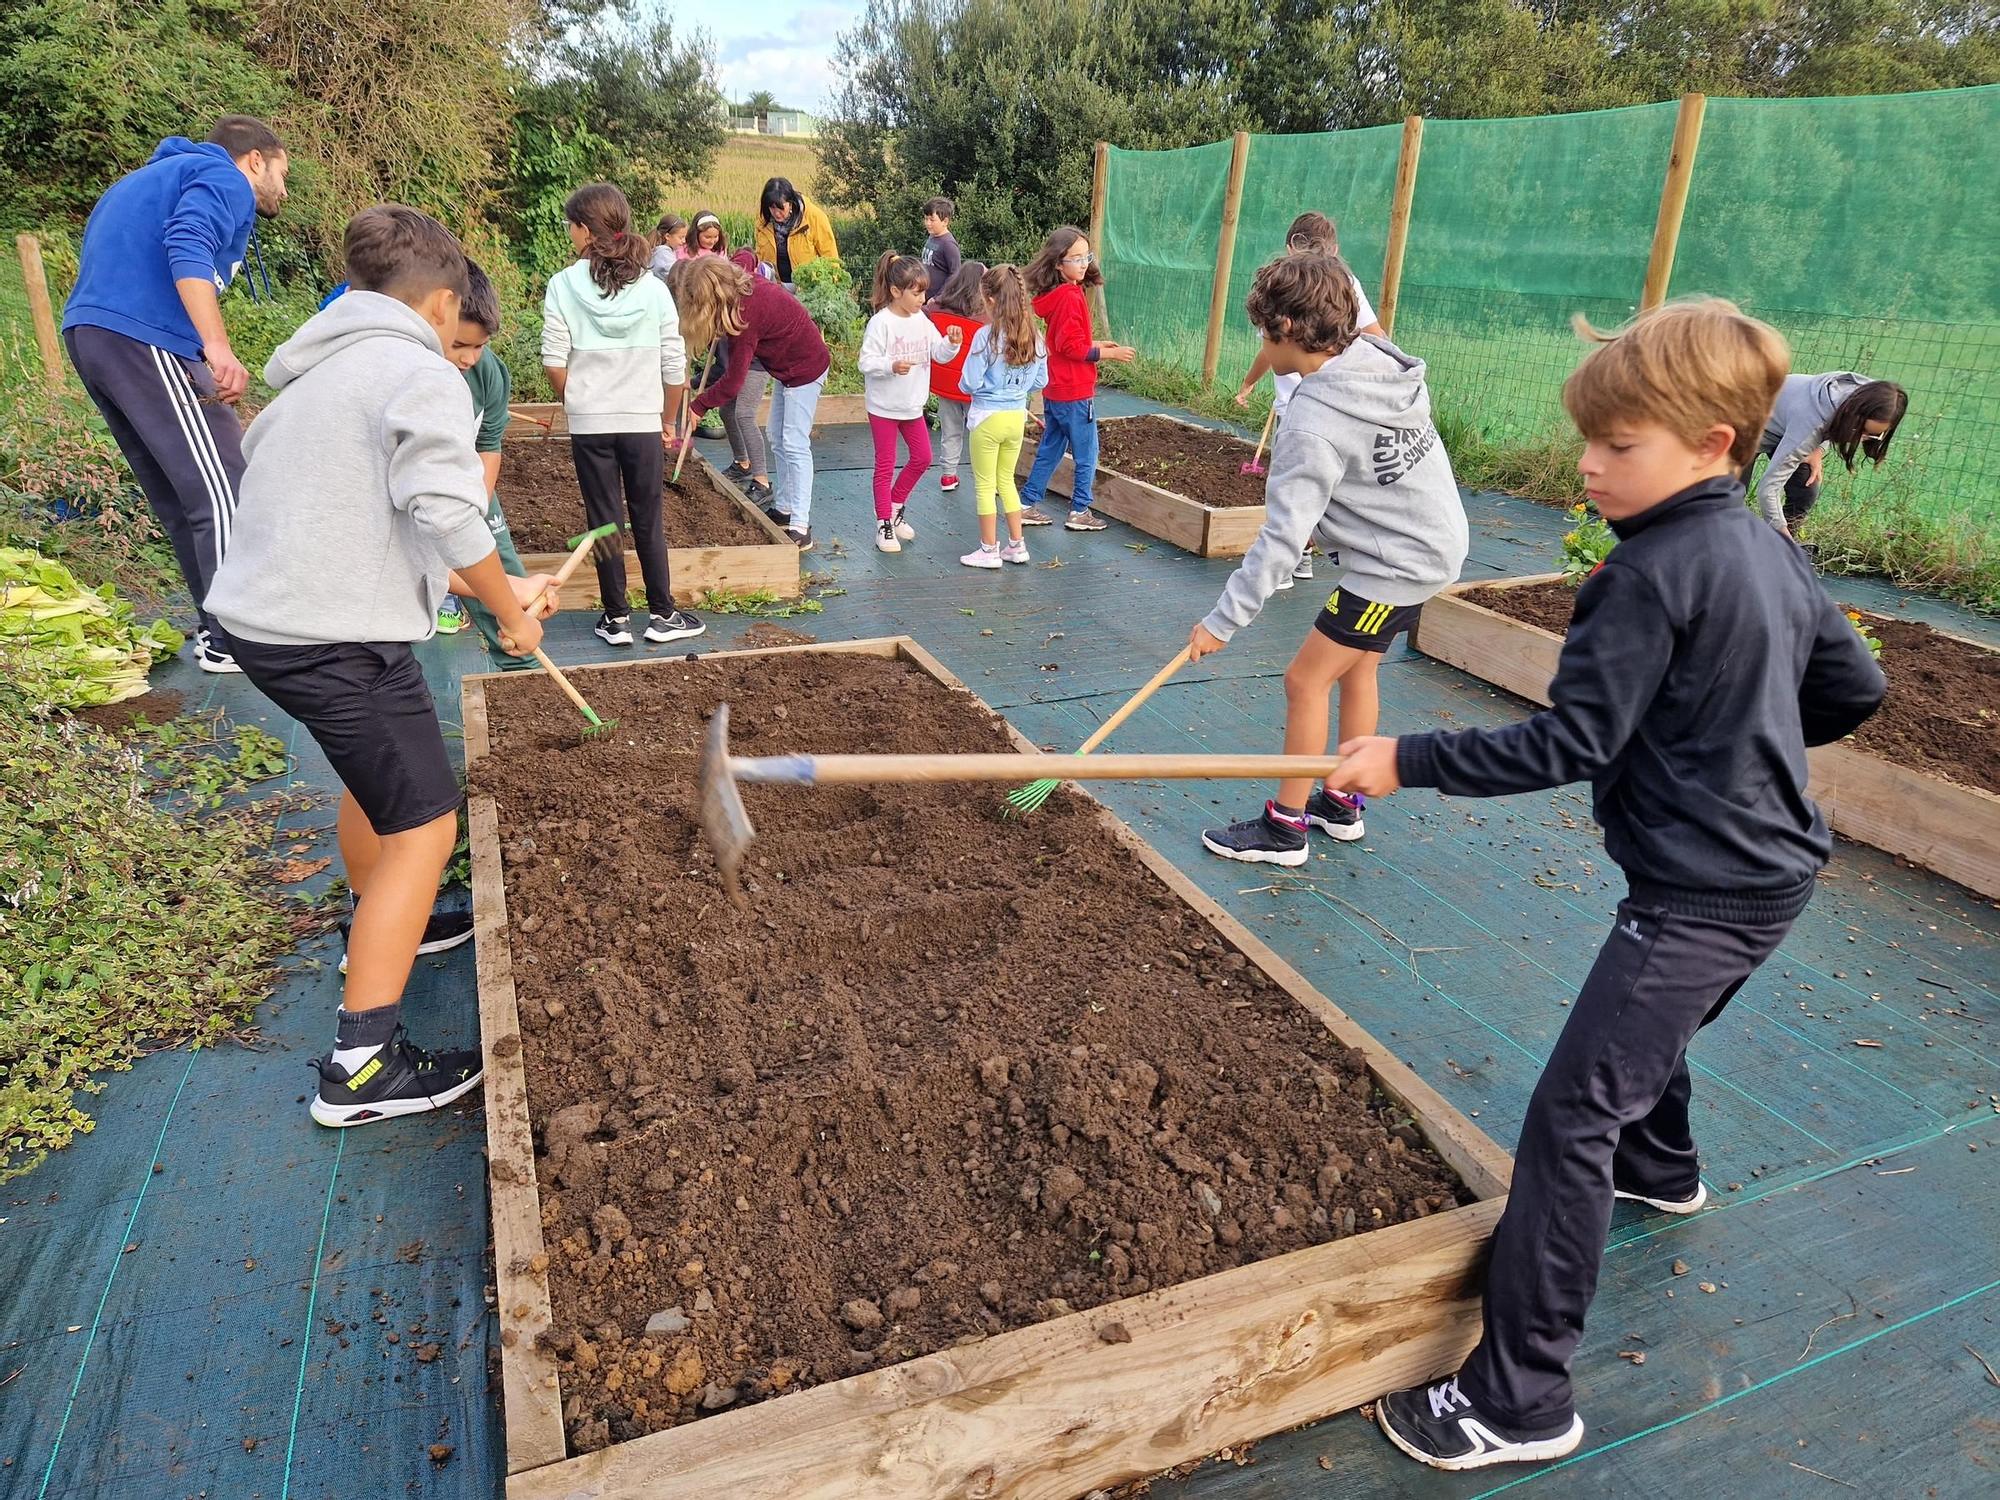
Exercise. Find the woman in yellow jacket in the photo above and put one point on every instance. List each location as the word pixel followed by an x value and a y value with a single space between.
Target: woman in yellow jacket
pixel 790 231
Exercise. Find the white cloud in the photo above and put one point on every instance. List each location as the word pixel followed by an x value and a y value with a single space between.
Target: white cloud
pixel 795 62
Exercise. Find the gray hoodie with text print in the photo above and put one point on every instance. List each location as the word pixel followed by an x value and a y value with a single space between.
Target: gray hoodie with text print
pixel 1356 466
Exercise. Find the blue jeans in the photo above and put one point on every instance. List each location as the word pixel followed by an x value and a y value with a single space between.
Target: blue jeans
pixel 1071 426
pixel 790 434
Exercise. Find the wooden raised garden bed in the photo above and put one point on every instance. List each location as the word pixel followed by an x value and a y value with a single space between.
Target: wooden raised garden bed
pixel 1876 798
pixel 529 416
pixel 857 1079
pixel 1156 492
pixel 717 540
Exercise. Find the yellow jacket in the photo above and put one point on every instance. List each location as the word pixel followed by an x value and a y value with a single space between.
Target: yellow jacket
pixel 811 240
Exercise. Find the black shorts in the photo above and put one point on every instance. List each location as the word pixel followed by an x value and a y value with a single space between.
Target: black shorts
pixel 369 708
pixel 1354 621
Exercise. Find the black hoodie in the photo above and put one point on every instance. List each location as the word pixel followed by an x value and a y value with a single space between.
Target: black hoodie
pixel 1704 657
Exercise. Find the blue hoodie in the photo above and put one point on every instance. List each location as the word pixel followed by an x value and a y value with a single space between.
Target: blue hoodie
pixel 187 213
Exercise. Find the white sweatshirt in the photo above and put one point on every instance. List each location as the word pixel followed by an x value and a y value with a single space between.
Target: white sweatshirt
pixel 892 337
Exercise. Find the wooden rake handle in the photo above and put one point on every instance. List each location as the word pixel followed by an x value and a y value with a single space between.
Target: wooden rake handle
pixel 1257 458
pixel 687 411
pixel 563 682
pixel 1131 706
pixel 854 770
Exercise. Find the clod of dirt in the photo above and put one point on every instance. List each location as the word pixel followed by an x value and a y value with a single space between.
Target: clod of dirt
pixel 862 1315
pixel 905 1299
pixel 1059 1188
pixel 1681 1268
pixel 1114 1333
pixel 993 1075
pixel 426 1353
pixel 441 1453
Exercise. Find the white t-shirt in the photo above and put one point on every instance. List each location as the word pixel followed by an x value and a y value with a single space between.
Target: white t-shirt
pixel 1284 385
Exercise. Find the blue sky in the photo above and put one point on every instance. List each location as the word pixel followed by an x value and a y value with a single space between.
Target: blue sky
pixel 785 46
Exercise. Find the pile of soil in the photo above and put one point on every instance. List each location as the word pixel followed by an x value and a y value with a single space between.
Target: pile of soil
pixel 1942 712
pixel 1192 461
pixel 156 707
pixel 544 507
pixel 946 1075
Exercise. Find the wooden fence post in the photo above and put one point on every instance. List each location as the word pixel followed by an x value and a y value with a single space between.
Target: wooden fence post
pixel 1399 222
pixel 1099 184
pixel 37 281
pixel 1673 199
pixel 1225 255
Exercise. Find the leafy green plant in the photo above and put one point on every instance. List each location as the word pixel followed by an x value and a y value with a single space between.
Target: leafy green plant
pixel 128 922
pixel 70 647
pixel 1586 544
pixel 827 292
pixel 760 603
pixel 1867 633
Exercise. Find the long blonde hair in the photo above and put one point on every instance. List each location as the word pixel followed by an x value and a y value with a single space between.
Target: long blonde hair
pixel 1014 337
pixel 709 293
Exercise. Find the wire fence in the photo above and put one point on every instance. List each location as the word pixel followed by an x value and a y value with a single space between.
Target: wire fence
pixel 1866 229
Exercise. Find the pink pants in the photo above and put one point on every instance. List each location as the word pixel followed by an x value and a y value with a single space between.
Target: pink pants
pixel 917 438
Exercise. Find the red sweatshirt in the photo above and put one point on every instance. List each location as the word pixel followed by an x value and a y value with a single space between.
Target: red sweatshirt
pixel 779 334
pixel 1072 365
pixel 944 373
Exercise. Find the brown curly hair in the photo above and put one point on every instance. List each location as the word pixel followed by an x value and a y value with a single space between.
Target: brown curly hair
pixel 1306 298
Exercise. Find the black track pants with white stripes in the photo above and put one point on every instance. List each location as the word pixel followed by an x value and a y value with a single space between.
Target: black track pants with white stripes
pixel 185 446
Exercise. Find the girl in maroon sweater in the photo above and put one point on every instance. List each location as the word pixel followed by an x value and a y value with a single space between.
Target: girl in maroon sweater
pixel 765 325
pixel 1056 280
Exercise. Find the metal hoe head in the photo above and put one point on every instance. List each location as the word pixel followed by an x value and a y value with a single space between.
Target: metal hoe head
pixel 719 805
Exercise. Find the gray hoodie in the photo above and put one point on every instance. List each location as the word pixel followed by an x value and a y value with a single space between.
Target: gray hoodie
pixel 1797 430
pixel 1357 466
pixel 360 488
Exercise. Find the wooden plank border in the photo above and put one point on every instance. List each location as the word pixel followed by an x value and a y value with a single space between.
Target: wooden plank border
pixel 528 416
pixel 772 565
pixel 1947 828
pixel 1039 1413
pixel 1205 530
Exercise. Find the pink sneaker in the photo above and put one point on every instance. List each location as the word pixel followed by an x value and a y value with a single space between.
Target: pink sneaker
pixel 982 557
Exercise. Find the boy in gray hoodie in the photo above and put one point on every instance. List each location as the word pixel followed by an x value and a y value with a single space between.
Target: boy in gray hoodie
pixel 1357 467
pixel 362 502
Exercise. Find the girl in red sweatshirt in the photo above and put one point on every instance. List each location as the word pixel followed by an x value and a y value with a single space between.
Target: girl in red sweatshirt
pixel 1057 277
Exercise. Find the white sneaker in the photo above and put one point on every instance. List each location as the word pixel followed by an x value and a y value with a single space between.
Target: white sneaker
pixel 209 658
pixel 885 537
pixel 904 530
pixel 1014 552
pixel 1668 1205
pixel 1305 567
pixel 1283 584
pixel 982 557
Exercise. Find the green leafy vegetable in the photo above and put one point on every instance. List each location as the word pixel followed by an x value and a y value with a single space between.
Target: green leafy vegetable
pixel 70 646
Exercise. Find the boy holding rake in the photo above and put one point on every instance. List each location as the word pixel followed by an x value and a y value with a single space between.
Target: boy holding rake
pixel 1704 658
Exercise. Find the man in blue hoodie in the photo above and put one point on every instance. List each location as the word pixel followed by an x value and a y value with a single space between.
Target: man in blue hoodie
pixel 144 330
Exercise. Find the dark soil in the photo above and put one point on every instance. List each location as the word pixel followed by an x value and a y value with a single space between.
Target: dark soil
pixel 1191 461
pixel 947 1075
pixel 1942 712
pixel 155 707
pixel 544 507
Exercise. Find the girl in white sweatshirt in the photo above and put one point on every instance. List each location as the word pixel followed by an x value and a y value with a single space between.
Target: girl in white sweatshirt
pixel 895 364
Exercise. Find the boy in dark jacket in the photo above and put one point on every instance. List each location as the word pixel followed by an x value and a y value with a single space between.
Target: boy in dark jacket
pixel 1703 660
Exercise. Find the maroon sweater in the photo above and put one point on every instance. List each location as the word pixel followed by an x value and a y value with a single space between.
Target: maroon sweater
pixel 779 334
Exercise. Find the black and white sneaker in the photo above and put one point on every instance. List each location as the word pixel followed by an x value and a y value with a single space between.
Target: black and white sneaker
pixel 443 932
pixel 678 626
pixel 778 517
pixel 1688 1205
pixel 1336 814
pixel 210 657
pixel 905 532
pixel 1439 1426
pixel 615 630
pixel 400 1078
pixel 802 537
pixel 886 539
pixel 1266 839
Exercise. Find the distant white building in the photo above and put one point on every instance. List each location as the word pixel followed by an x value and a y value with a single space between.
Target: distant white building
pixel 787 122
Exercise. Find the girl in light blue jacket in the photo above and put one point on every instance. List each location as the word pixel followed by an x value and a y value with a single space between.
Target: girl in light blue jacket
pixel 1006 363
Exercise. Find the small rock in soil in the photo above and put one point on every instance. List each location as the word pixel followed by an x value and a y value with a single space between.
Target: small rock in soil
pixel 716 1397
pixel 862 1315
pixel 672 1320
pixel 904 1299
pixel 1114 1333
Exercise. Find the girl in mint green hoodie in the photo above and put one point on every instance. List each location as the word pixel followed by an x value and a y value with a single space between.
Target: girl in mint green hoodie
pixel 611 343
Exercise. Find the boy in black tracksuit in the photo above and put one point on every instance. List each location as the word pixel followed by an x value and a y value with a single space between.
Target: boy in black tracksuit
pixel 1703 659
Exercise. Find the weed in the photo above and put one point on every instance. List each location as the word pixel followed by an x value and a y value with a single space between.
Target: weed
pixel 763 604
pixel 1585 545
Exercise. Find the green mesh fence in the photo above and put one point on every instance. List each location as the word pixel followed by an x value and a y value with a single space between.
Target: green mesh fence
pixel 1866 229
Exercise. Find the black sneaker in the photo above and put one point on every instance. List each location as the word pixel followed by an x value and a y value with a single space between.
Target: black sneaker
pixel 211 657
pixel 1438 1426
pixel 443 932
pixel 1263 840
pixel 615 630
pixel 759 493
pixel 1336 814
pixel 400 1079
pixel 778 517
pixel 802 539
pixel 677 626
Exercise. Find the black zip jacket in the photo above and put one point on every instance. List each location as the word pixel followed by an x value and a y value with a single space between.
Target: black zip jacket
pixel 1704 657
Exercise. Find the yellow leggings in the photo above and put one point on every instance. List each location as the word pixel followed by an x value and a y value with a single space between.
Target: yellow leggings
pixel 996 449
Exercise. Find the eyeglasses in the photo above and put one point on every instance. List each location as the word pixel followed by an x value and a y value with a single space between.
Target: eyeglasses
pixel 1079 260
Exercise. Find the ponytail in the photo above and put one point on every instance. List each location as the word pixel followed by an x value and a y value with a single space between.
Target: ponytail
pixel 894 273
pixel 617 256
pixel 1013 322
